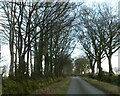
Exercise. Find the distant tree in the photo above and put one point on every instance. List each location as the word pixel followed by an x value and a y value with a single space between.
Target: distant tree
pixel 64 65
pixel 68 66
pixel 82 65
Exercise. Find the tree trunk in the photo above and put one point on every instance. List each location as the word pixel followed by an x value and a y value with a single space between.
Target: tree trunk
pixel 99 67
pixel 46 65
pixel 27 63
pixel 31 66
pixel 11 66
pixel 93 71
pixel 110 66
pixel 22 67
pixel 11 42
pixel 29 49
pixel 40 53
pixel 16 54
pixel 55 67
pixel 51 53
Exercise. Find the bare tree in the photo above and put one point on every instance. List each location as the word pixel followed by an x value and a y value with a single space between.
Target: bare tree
pixel 111 32
pixel 88 49
pixel 36 30
pixel 91 36
pixel 98 32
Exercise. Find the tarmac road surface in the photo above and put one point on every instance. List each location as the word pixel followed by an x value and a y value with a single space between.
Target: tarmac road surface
pixel 79 86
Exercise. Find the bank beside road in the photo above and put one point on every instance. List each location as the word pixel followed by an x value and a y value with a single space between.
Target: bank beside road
pixel 106 87
pixel 59 87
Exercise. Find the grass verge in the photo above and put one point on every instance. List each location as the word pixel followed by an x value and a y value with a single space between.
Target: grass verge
pixel 106 87
pixel 12 87
pixel 64 87
pixel 55 88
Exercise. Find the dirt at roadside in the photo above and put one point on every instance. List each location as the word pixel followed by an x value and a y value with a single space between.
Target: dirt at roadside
pixel 51 89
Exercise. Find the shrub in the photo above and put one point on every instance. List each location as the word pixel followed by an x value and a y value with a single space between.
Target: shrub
pixel 109 79
pixel 29 86
pixel 12 87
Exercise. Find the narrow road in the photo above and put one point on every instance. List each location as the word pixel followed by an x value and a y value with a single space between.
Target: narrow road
pixel 79 86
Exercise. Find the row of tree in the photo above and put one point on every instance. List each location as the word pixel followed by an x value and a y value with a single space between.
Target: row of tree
pixel 98 30
pixel 40 37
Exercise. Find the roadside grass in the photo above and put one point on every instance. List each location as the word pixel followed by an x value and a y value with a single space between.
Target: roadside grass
pixel 106 87
pixel 64 87
pixel 55 88
pixel 27 86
